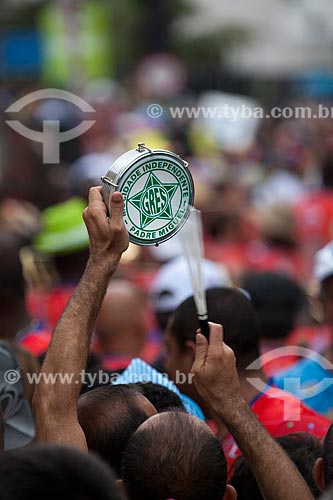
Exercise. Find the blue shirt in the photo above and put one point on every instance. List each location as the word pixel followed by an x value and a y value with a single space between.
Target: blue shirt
pixel 309 381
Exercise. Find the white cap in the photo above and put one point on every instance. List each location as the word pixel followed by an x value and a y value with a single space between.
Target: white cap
pixel 172 284
pixel 323 265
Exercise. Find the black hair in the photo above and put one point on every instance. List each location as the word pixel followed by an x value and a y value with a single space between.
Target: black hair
pixel 230 308
pixel 276 300
pixel 70 266
pixel 303 449
pixel 327 171
pixel 328 456
pixel 161 397
pixel 325 288
pixel 162 318
pixel 12 283
pixel 174 455
pixel 53 472
pixel 108 416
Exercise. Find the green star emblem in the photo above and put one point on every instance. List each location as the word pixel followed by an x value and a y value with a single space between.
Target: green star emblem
pixel 154 200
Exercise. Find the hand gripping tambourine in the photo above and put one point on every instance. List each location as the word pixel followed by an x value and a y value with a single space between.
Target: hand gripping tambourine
pixel 158 192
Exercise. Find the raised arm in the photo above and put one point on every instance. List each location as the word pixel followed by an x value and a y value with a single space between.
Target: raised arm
pixel 216 380
pixel 55 401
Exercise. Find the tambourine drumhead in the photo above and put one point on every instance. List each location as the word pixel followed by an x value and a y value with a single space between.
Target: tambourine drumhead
pixel 158 193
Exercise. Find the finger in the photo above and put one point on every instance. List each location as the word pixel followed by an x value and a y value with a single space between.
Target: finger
pixel 96 203
pixel 85 215
pixel 95 194
pixel 215 335
pixel 201 349
pixel 117 207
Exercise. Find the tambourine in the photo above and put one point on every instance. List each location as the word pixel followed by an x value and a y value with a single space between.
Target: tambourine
pixel 158 191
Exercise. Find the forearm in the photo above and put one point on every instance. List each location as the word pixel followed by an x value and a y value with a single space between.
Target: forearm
pixel 56 397
pixel 276 475
pixel 69 348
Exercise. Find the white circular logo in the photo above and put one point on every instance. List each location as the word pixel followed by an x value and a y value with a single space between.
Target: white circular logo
pixel 158 194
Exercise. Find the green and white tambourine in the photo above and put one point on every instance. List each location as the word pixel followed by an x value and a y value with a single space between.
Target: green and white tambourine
pixel 158 192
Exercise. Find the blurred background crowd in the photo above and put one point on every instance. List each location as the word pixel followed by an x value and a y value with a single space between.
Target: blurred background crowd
pixel 264 186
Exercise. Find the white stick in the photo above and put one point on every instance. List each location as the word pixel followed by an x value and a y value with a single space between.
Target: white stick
pixel 192 242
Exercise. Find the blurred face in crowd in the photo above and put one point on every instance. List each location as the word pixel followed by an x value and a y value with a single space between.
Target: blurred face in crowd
pixel 179 361
pixel 121 324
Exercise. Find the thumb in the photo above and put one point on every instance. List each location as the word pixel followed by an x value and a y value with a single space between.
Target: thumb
pixel 201 349
pixel 117 207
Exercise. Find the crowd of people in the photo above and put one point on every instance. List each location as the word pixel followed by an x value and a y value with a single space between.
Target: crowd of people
pixel 108 388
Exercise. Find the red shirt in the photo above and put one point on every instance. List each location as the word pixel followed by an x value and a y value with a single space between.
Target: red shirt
pixel 280 413
pixel 36 341
pixel 315 337
pixel 46 307
pixel 314 215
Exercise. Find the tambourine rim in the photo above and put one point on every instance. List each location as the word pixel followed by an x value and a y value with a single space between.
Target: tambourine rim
pixel 121 177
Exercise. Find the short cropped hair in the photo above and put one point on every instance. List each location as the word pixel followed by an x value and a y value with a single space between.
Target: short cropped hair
pixel 230 308
pixel 161 397
pixel 55 472
pixel 12 284
pixel 328 456
pixel 276 300
pixel 108 416
pixel 174 455
pixel 303 449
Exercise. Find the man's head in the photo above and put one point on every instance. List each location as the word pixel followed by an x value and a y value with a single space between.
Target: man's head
pixel 323 271
pixel 162 398
pixel 328 456
pixel 327 171
pixel 326 298
pixel 175 455
pixel 172 285
pixel 323 468
pixel 53 472
pixel 121 325
pixel 226 306
pixel 276 300
pixel 12 287
pixel 303 449
pixel 108 416
pixel 64 237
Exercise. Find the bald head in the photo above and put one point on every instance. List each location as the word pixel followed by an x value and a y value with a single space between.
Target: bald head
pixel 174 455
pixel 121 324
